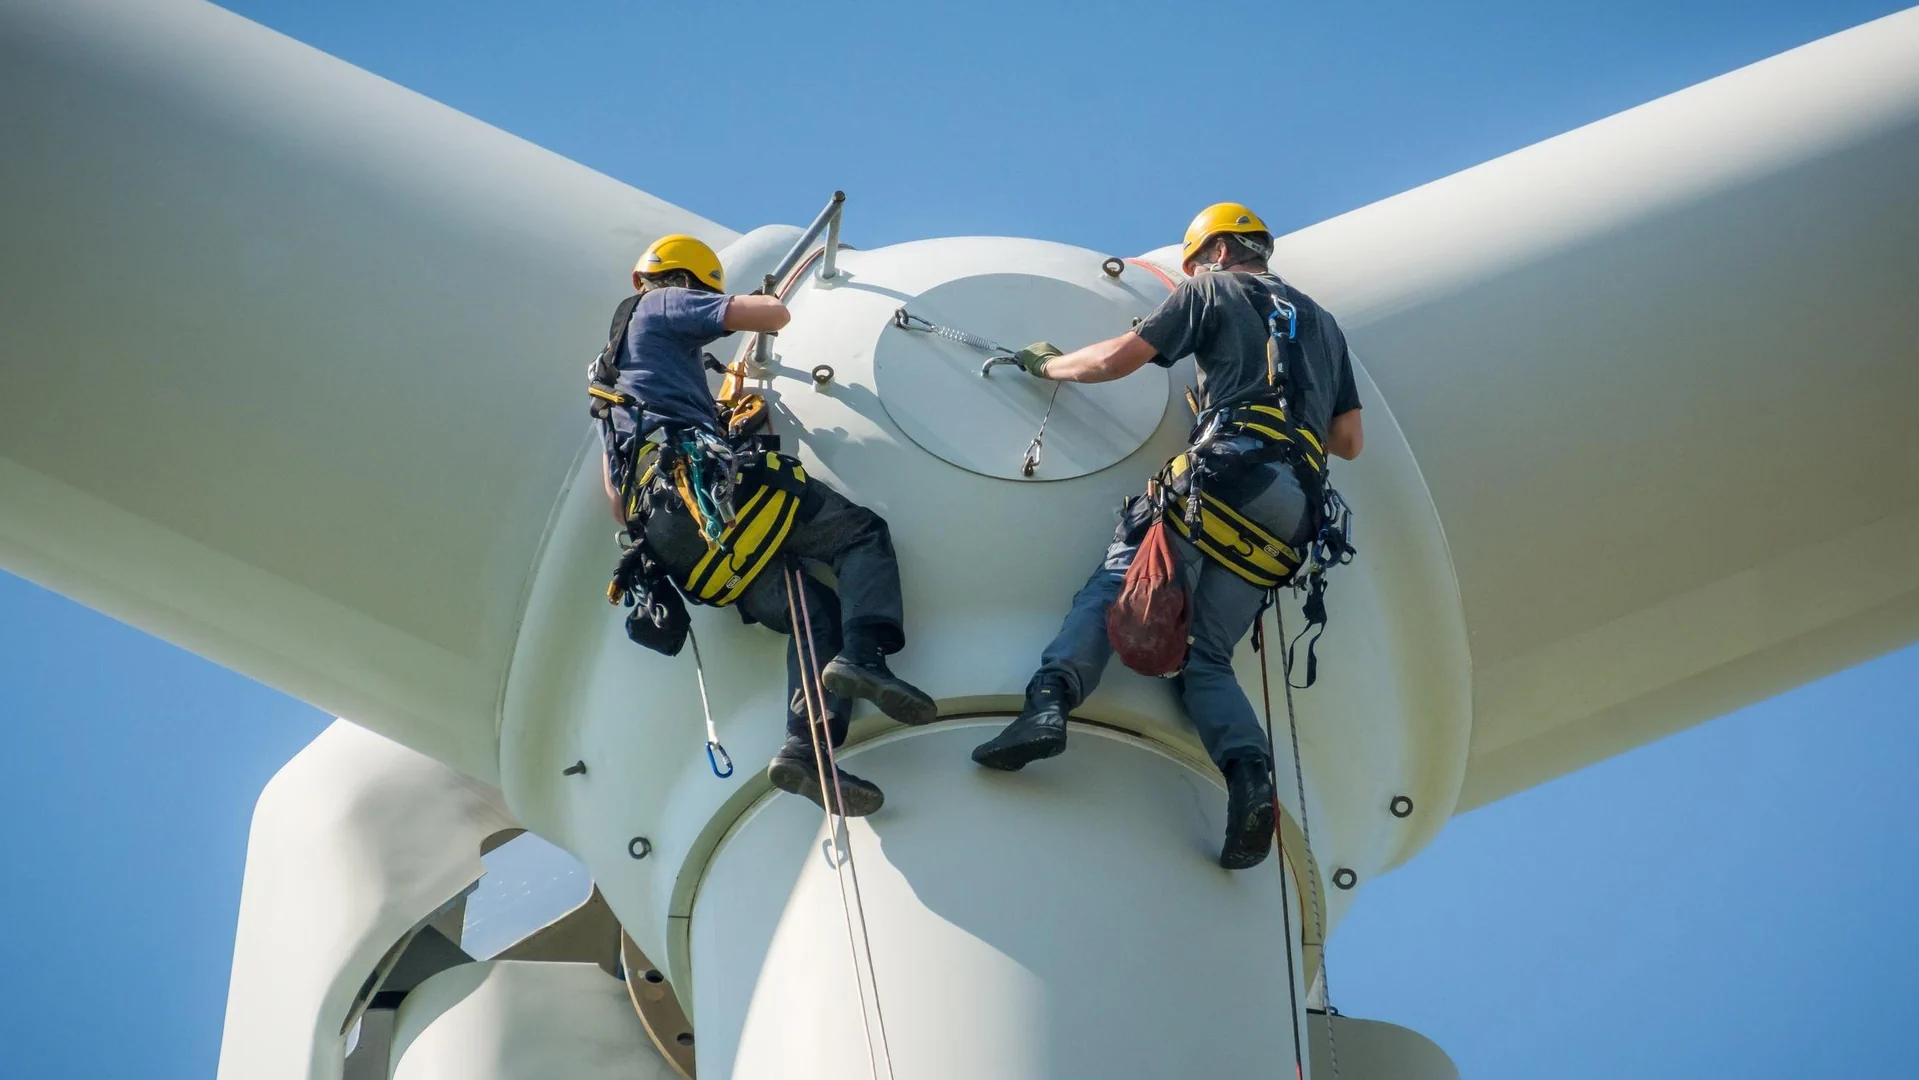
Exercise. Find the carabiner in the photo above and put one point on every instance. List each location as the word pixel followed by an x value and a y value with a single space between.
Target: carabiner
pixel 715 753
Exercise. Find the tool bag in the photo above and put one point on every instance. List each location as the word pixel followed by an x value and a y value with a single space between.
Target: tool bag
pixel 1149 624
pixel 658 618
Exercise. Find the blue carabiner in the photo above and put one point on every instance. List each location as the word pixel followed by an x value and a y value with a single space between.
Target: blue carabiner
pixel 715 753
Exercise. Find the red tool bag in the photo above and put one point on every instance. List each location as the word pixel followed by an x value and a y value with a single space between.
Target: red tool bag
pixel 1149 622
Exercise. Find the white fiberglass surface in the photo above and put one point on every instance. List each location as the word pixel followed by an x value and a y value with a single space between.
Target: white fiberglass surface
pixel 933 388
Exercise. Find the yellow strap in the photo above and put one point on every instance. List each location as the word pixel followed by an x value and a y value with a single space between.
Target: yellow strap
pixel 1266 431
pixel 1262 560
pixel 685 488
pixel 701 576
pixel 1230 559
pixel 786 509
pixel 751 542
pixel 1266 539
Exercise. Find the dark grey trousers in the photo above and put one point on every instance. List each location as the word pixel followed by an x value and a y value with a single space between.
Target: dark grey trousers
pixel 832 532
pixel 1224 606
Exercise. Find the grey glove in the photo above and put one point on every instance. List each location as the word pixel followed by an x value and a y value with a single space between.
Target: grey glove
pixel 1033 358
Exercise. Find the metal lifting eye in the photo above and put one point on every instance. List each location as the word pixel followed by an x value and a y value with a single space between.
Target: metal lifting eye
pixel 1113 267
pixel 639 847
pixel 822 374
pixel 1400 807
pixel 1344 878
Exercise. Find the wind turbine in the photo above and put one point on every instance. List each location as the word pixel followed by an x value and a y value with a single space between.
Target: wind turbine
pixel 345 455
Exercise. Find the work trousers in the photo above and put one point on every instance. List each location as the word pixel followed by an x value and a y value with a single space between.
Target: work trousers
pixel 1224 606
pixel 830 533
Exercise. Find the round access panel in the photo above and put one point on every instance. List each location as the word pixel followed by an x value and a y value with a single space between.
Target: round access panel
pixel 932 387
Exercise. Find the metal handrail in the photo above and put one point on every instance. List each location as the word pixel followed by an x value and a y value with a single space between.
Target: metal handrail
pixel 828 221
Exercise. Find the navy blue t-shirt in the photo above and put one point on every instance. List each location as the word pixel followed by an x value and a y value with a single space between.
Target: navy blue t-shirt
pixel 660 363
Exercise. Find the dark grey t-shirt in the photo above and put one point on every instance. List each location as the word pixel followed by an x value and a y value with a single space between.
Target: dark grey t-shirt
pixel 1219 317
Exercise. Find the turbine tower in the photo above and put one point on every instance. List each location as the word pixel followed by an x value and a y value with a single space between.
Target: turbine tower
pixel 1641 451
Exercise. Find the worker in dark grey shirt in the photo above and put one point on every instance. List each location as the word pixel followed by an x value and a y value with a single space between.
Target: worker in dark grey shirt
pixel 661 386
pixel 1219 316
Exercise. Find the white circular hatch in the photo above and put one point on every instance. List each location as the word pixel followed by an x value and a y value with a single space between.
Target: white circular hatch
pixel 932 387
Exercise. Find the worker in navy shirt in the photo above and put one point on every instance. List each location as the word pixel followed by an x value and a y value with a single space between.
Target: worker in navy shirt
pixel 682 308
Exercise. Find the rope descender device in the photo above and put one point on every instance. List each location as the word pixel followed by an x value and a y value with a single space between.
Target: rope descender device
pixel 716 755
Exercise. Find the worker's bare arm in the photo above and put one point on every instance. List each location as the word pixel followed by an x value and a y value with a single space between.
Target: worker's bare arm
pixel 1348 436
pixel 757 314
pixel 612 496
pixel 1102 361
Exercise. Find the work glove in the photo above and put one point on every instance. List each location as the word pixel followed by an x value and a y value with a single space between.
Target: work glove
pixel 1033 358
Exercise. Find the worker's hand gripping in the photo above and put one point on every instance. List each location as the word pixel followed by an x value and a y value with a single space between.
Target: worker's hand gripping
pixel 1032 359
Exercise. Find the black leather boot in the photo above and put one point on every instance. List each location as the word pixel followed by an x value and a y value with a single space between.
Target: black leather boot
pixel 1039 733
pixel 795 770
pixel 1249 814
pixel 860 671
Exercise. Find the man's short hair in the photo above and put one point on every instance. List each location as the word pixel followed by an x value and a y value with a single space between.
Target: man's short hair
pixel 676 279
pixel 1247 247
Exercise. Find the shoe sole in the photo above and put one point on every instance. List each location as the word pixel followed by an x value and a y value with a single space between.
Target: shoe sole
pixel 804 781
pixel 893 696
pixel 1013 757
pixel 1246 850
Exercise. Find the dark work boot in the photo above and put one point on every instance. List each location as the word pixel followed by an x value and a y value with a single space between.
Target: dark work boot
pixel 860 671
pixel 795 770
pixel 1249 814
pixel 1039 733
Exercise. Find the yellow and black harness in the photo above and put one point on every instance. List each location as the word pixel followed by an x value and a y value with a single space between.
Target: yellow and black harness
pixel 771 488
pixel 1219 530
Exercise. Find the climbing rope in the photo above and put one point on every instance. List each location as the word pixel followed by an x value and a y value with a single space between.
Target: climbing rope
pixel 1279 836
pixel 839 838
pixel 1305 829
pixel 716 755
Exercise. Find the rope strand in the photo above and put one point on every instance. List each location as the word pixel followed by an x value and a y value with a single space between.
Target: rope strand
pixel 1306 833
pixel 1279 837
pixel 854 908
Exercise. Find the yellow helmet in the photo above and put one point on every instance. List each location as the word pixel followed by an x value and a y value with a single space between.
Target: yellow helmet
pixel 683 252
pixel 1226 217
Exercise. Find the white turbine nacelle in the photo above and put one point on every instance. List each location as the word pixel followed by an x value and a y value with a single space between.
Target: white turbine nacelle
pixel 292 377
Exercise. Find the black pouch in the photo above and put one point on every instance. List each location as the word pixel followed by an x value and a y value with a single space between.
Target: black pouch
pixel 658 619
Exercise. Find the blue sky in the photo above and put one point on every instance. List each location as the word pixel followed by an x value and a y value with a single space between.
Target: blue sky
pixel 1731 901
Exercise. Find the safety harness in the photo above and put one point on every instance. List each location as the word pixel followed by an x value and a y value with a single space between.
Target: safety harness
pixel 743 493
pixel 1220 530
